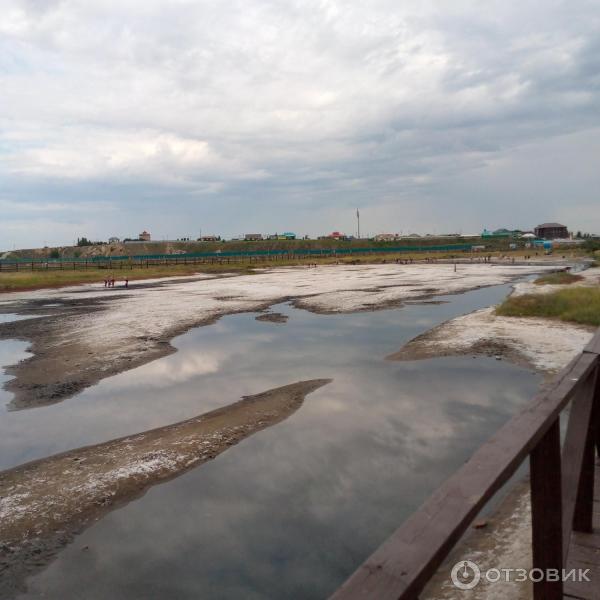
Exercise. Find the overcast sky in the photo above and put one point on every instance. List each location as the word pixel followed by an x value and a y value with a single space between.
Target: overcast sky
pixel 277 115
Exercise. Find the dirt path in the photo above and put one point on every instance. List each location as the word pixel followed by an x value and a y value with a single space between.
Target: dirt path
pixel 44 503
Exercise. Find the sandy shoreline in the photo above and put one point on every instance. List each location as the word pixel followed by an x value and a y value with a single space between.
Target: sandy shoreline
pixel 44 503
pixel 87 333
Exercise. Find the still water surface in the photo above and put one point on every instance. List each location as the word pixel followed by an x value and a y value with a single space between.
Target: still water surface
pixel 291 511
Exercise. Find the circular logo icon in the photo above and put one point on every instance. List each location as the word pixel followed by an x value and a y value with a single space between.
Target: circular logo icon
pixel 465 575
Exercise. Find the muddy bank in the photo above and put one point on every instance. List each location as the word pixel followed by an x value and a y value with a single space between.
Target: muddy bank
pixel 43 504
pixel 87 332
pixel 272 317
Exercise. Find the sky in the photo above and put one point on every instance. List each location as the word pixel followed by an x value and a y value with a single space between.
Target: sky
pixel 201 116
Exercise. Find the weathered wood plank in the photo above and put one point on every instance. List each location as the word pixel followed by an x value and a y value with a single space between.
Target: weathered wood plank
pixel 578 463
pixel 583 519
pixel 404 563
pixel 547 513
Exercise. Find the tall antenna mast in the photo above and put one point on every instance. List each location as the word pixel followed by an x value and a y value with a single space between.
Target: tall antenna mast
pixel 358 221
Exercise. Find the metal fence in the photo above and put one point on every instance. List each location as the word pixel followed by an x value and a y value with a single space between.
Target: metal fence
pixel 146 260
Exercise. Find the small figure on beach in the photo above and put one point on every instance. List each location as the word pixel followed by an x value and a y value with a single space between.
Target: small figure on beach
pixel 126 282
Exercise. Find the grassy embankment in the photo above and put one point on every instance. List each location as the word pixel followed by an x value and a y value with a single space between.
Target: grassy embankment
pixel 577 304
pixel 560 278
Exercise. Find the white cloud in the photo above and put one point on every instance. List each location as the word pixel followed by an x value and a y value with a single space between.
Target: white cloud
pixel 291 104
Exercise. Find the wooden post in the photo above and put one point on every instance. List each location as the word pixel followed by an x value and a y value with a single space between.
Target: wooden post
pixel 584 504
pixel 546 512
pixel 596 408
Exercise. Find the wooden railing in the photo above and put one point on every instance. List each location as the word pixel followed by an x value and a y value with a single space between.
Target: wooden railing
pixel 562 490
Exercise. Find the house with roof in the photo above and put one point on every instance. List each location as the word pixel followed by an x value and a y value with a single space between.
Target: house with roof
pixel 551 231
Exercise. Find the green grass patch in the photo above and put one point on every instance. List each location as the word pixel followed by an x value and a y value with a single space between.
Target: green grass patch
pixel 560 278
pixel 577 305
pixel 31 280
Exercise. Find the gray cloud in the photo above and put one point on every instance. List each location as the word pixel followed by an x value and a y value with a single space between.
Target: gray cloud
pixel 259 115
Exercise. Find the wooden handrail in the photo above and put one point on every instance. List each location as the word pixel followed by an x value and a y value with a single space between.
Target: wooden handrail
pixel 402 566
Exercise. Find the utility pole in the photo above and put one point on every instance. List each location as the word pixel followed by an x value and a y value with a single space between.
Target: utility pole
pixel 358 221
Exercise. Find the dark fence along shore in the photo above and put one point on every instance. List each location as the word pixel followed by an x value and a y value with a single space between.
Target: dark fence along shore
pixel 148 260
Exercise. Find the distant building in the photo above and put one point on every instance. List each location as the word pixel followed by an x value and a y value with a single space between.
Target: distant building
pixel 336 235
pixel 385 237
pixel 113 240
pixel 253 237
pixel 144 236
pixel 551 231
pixel 210 238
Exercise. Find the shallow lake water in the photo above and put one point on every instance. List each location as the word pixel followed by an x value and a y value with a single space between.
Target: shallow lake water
pixel 291 511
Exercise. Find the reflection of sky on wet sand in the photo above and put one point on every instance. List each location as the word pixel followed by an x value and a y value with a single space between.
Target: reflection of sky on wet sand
pixel 289 512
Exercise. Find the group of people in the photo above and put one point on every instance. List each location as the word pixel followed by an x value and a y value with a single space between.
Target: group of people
pixel 110 282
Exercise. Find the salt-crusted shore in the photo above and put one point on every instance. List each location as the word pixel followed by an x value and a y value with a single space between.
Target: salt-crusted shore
pixel 539 343
pixel 543 344
pixel 43 504
pixel 88 332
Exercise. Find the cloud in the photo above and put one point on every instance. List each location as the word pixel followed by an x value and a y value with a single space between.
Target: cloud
pixel 264 115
